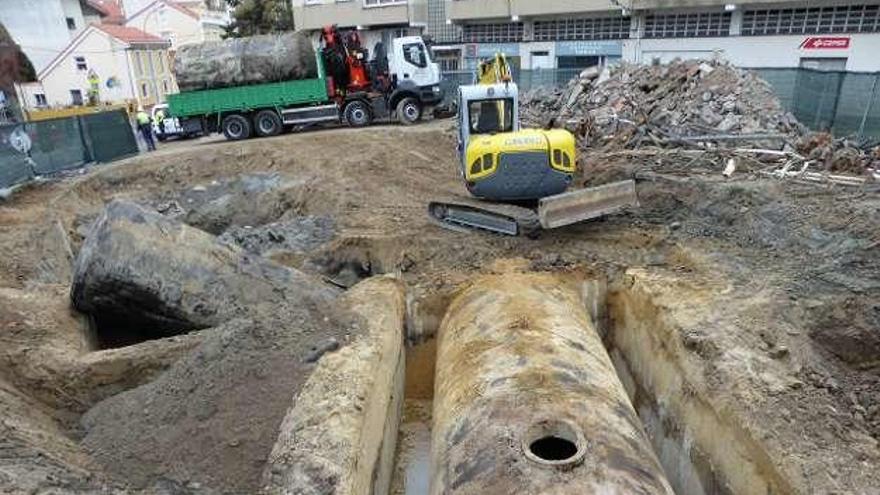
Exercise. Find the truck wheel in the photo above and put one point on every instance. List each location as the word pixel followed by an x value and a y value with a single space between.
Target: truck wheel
pixel 236 127
pixel 268 123
pixel 357 114
pixel 409 111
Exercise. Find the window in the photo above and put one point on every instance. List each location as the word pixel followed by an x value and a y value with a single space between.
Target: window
pixel 687 25
pixel 379 3
pixel 577 61
pixel 144 90
pixel 40 99
pixel 447 59
pixel 71 23
pixel 80 63
pixel 414 53
pixel 493 33
pixel 590 28
pixel 491 116
pixel 76 97
pixel 165 85
pixel 818 20
pixel 139 62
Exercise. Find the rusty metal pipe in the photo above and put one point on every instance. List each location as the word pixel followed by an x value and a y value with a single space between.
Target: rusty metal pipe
pixel 527 400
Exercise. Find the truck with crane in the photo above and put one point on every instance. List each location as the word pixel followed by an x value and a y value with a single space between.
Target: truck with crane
pixel 401 82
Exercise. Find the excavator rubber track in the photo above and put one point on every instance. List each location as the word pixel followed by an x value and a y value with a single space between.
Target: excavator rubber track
pixel 466 215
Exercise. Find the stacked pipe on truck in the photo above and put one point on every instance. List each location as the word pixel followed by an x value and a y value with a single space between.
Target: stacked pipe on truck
pixel 243 61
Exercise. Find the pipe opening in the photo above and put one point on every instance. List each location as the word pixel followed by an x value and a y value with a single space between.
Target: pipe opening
pixel 555 443
pixel 552 448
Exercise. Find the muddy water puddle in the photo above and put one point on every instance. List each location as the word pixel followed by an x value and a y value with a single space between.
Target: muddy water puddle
pixel 412 474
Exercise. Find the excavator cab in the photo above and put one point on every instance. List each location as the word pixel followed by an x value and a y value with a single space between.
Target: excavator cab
pixel 501 162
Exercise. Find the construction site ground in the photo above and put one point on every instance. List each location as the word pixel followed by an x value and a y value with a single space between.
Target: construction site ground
pixel 774 287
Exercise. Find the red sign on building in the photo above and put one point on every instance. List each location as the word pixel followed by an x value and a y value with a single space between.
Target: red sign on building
pixel 826 43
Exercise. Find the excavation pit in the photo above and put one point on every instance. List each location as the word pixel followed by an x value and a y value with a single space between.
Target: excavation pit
pixel 112 330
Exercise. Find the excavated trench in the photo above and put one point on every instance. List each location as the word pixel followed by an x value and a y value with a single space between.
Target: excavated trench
pixel 701 451
pixel 673 439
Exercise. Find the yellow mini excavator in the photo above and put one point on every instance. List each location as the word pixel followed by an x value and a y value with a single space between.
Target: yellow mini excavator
pixel 519 176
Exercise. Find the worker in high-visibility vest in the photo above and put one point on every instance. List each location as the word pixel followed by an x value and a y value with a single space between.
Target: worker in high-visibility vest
pixel 143 121
pixel 160 121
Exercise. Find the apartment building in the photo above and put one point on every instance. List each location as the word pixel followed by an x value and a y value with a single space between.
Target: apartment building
pixel 834 34
pixel 180 22
pixel 542 34
pixel 42 28
pixel 377 20
pixel 110 63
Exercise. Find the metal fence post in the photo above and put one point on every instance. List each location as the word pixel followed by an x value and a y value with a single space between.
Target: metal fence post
pixel 869 107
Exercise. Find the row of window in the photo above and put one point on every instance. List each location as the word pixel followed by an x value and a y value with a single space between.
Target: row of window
pixel 593 28
pixel 493 33
pixel 76 95
pixel 820 20
pixel 688 25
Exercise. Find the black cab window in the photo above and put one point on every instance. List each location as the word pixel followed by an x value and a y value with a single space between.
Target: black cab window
pixel 414 53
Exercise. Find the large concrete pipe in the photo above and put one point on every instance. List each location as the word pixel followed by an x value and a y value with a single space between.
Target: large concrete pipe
pixel 527 400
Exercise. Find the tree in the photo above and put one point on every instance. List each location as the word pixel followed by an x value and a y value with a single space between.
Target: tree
pixel 259 17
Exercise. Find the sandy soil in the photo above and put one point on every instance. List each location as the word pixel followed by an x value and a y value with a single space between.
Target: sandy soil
pixel 790 272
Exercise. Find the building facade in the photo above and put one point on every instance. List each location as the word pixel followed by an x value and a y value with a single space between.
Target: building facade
pixel 107 63
pixel 832 34
pixel 377 20
pixel 180 23
pixel 42 28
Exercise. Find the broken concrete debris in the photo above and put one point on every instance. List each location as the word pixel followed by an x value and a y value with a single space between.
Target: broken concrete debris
pixel 697 104
pixel 162 277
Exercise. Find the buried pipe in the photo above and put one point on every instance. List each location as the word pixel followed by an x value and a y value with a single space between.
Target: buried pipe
pixel 527 400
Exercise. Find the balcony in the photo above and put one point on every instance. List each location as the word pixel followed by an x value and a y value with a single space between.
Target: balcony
pixel 315 14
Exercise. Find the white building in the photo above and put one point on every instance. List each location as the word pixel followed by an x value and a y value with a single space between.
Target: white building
pixel 126 64
pixel 539 34
pixel 44 27
pixel 180 23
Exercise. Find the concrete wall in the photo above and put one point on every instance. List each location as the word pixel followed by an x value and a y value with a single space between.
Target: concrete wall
pixel 549 7
pixel 39 28
pixel 458 10
pixel 317 14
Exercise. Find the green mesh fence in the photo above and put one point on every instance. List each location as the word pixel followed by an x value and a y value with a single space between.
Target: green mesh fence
pixel 108 135
pixel 14 167
pixel 62 144
pixel 56 145
pixel 846 103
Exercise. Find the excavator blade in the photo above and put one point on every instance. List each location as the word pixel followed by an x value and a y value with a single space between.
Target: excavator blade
pixel 584 204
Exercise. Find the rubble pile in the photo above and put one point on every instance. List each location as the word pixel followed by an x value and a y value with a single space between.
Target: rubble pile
pixel 680 99
pixel 699 104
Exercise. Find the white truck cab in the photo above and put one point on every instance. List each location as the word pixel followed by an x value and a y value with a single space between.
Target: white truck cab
pixel 417 78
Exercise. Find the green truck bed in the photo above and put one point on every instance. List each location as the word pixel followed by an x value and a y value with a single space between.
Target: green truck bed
pixel 244 98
